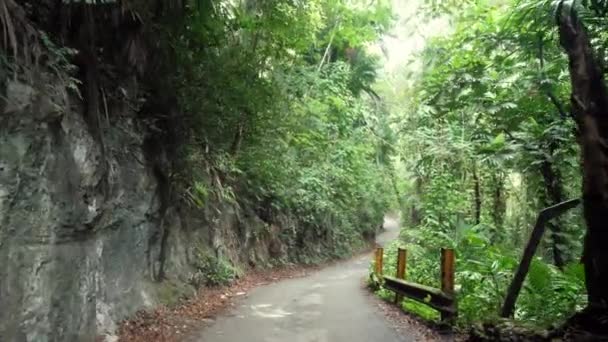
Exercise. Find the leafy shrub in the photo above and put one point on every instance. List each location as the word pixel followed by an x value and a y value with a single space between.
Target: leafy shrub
pixel 271 118
pixel 211 271
pixel 483 273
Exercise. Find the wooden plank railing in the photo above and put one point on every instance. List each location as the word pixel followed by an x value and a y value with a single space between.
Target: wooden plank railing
pixel 442 300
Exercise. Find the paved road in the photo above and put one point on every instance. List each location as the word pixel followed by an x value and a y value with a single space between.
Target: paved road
pixel 327 306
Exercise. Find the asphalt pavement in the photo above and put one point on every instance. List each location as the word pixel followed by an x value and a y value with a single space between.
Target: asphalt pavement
pixel 330 305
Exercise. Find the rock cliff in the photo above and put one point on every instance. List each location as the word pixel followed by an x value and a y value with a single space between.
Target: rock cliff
pixel 89 229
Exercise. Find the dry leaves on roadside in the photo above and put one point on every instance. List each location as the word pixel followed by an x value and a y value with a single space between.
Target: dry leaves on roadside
pixel 165 324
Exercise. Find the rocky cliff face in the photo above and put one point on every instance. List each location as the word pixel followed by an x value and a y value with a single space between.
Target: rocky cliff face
pixel 88 231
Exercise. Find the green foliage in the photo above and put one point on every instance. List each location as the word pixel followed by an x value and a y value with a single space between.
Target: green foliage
pixel 55 58
pixel 212 271
pixel 278 114
pixel 558 293
pixel 484 118
pixel 420 309
pixel 487 142
pixel 483 273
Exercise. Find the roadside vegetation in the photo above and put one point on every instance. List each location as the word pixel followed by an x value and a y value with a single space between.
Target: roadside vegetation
pixel 263 104
pixel 278 106
pixel 488 137
pixel 280 112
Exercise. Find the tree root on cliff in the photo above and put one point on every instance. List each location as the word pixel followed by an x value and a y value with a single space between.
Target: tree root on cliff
pixel 168 324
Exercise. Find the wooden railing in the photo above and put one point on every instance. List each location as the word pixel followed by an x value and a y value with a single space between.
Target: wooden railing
pixel 442 300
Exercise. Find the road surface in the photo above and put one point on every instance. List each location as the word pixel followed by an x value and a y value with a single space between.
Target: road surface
pixel 328 306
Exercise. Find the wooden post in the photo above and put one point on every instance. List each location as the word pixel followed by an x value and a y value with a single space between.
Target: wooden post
pixel 447 277
pixel 508 307
pixel 379 257
pixel 401 266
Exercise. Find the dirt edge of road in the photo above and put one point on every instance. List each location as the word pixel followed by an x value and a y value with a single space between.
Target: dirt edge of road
pixel 422 329
pixel 176 323
pixel 180 322
pixel 168 324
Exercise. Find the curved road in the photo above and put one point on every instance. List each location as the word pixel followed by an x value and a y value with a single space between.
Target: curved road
pixel 328 306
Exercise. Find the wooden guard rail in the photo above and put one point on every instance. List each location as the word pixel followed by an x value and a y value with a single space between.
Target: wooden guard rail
pixel 442 300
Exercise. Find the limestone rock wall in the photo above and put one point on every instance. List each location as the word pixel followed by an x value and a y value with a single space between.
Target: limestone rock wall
pixel 87 235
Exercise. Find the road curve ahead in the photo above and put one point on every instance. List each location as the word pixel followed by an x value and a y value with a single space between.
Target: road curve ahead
pixel 328 306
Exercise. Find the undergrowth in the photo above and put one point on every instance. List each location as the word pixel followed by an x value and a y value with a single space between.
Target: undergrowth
pixel 213 271
pixel 483 273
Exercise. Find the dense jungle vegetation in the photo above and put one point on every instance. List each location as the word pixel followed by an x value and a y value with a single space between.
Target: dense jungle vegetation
pixel 260 103
pixel 281 111
pixel 487 134
pixel 279 105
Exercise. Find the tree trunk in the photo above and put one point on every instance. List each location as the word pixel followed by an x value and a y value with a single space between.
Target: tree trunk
pixel 415 215
pixel 393 177
pixel 477 199
pixel 498 203
pixel 553 188
pixel 235 147
pixel 590 107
